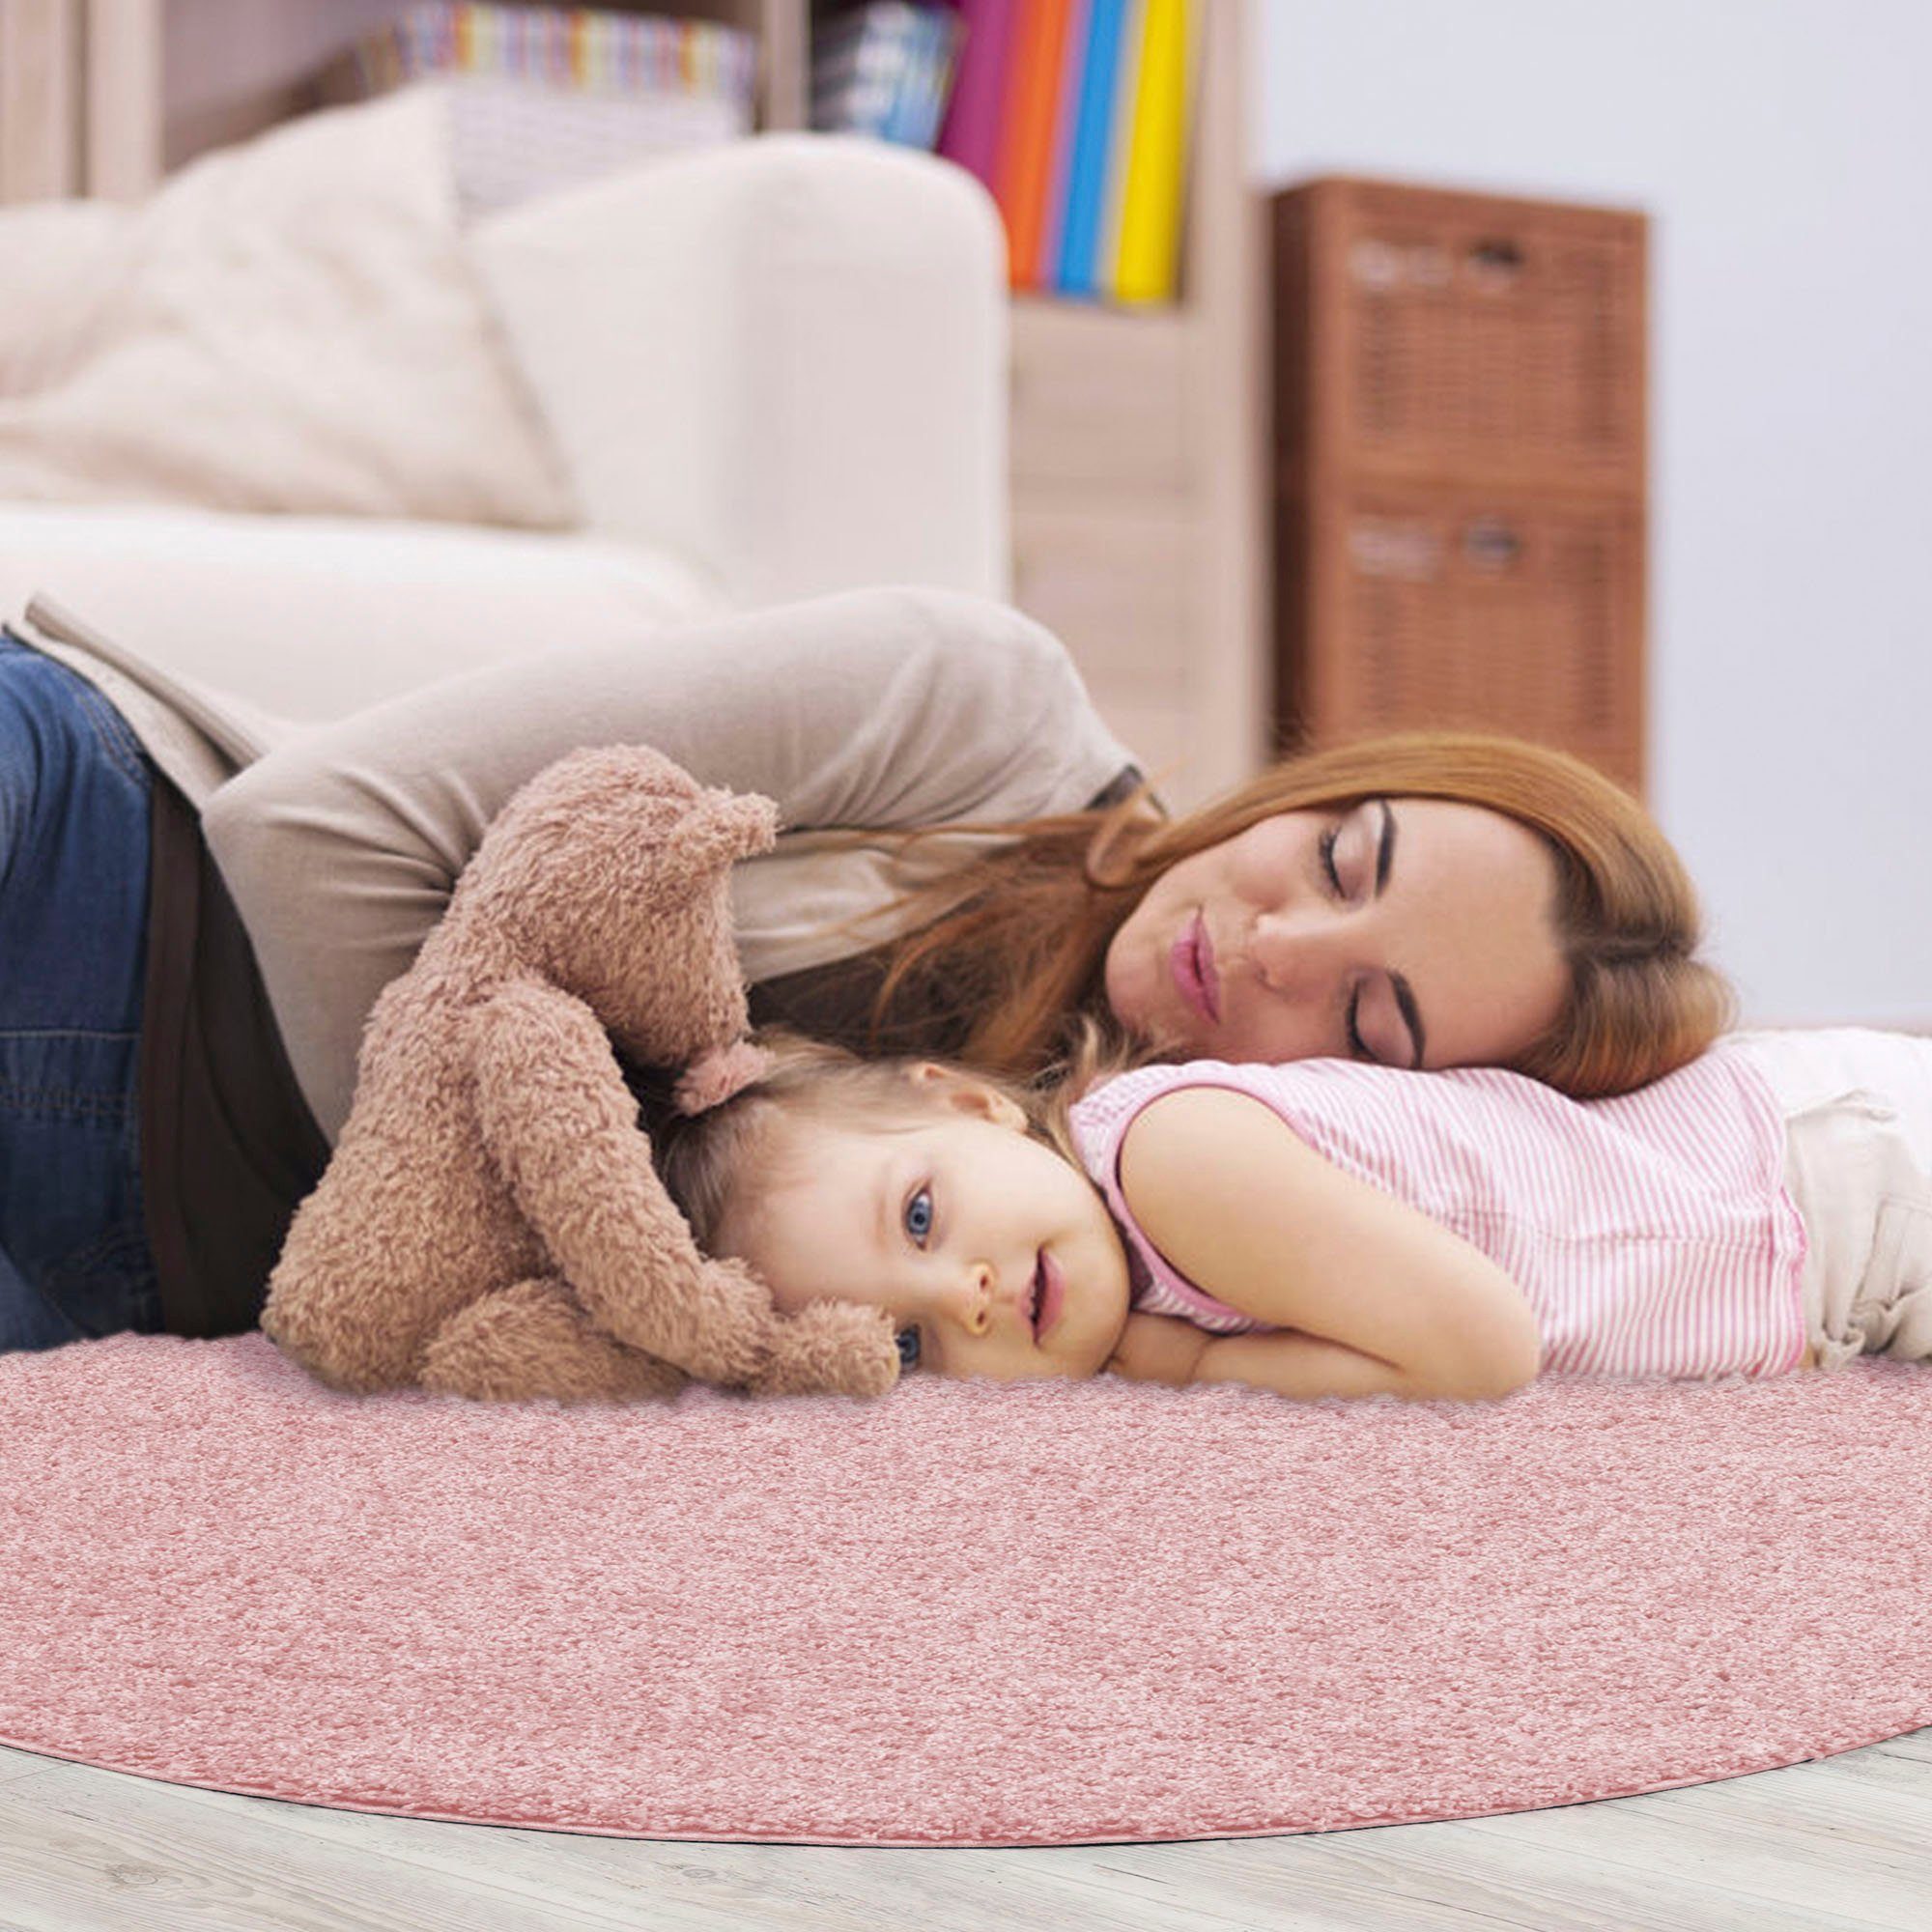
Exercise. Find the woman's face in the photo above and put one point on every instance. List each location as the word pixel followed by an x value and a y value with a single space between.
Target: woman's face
pixel 998 1253
pixel 1411 932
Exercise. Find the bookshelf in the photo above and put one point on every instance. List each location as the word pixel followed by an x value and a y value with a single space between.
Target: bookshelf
pixel 1139 456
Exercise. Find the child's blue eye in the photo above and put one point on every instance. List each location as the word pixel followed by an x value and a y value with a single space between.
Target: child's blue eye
pixel 908 1345
pixel 920 1233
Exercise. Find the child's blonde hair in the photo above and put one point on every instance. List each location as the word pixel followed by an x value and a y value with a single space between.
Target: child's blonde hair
pixel 704 1159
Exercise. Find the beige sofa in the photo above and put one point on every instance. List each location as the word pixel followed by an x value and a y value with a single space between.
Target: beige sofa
pixel 770 369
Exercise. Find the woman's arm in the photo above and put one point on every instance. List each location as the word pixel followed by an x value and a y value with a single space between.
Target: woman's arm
pixel 1382 1299
pixel 882 707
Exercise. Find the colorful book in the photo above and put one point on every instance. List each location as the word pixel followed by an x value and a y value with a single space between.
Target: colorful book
pixel 576 49
pixel 971 133
pixel 1158 158
pixel 1026 153
pixel 938 51
pixel 1086 152
pixel 1120 146
pixel 884 71
pixel 1060 163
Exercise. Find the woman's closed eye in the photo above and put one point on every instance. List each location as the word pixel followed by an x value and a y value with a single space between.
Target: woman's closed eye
pixel 1359 1047
pixel 1367 854
pixel 1327 846
pixel 1408 1051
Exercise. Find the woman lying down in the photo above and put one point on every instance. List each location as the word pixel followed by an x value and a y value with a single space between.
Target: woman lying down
pixel 1334 1227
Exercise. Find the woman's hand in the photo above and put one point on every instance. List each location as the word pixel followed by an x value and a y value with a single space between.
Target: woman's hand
pixel 1158 1348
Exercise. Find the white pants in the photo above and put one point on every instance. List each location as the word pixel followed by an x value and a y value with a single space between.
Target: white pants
pixel 1858 1127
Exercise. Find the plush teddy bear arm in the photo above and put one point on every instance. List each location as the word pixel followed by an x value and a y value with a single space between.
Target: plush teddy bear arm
pixel 532 1339
pixel 561 1126
pixel 833 1347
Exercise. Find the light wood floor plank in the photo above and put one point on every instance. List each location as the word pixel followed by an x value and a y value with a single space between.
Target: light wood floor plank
pixel 153 1858
pixel 1836 1846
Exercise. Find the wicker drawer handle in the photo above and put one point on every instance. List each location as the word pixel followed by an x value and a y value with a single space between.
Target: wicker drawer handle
pixel 1491 541
pixel 1495 265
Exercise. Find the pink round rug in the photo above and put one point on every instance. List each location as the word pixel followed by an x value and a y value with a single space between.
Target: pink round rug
pixel 1054 1613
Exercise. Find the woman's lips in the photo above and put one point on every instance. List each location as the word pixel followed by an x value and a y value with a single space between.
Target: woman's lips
pixel 1052 1294
pixel 1191 961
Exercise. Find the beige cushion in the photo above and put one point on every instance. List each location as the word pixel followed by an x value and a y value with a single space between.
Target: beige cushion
pixel 308 617
pixel 290 325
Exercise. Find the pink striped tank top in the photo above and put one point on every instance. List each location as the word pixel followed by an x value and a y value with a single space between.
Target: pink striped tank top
pixel 1652 1232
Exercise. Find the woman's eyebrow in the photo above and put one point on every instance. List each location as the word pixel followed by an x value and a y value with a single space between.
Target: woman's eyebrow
pixel 1384 852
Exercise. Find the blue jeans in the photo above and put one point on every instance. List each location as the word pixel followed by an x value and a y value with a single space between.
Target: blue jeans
pixel 74 790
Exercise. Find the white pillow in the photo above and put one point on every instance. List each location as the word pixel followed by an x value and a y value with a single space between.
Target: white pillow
pixel 290 325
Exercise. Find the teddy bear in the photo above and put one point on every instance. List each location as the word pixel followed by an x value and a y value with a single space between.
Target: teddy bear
pixel 490 1223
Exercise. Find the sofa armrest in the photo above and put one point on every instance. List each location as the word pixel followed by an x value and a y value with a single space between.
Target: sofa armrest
pixel 783 359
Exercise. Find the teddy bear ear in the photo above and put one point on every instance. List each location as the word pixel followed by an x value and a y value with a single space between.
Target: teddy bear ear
pixel 713 1077
pixel 729 826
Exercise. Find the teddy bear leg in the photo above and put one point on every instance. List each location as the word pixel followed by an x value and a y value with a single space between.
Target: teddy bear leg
pixel 534 1340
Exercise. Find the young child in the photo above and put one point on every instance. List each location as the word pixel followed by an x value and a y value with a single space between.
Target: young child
pixel 1333 1228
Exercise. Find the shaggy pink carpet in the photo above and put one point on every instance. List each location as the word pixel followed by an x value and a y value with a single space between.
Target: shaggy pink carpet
pixel 1055 1614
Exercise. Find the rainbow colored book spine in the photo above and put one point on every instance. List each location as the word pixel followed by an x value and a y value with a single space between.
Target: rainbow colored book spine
pixel 1146 269
pixel 1026 134
pixel 1096 66
pixel 971 133
pixel 565 47
pixel 1078 116
pixel 1060 163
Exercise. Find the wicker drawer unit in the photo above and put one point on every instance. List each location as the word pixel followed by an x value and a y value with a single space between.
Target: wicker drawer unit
pixel 1460 431
pixel 1496 610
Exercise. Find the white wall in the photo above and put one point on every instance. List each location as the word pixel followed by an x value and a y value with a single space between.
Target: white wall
pixel 1783 148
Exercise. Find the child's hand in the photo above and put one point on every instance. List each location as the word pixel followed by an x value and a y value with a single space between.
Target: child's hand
pixel 1158 1348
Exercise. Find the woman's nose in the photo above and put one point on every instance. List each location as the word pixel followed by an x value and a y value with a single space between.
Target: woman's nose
pixel 1294 954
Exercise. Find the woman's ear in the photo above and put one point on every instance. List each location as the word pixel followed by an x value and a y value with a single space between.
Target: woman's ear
pixel 967 1094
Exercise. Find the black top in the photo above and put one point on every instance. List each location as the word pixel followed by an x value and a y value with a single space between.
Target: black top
pixel 228 1144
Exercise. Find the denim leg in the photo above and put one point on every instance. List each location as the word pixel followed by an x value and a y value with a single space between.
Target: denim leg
pixel 75 791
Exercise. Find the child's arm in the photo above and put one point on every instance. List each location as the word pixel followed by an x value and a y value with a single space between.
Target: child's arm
pixel 1383 1300
pixel 1164 1348
pixel 1157 1348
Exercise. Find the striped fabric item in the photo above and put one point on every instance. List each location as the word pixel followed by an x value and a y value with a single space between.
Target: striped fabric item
pixel 560 46
pixel 1652 1232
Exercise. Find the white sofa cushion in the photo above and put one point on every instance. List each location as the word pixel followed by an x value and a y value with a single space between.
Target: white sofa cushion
pixel 785 359
pixel 290 325
pixel 309 617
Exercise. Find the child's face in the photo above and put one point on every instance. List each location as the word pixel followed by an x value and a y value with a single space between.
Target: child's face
pixel 953 1228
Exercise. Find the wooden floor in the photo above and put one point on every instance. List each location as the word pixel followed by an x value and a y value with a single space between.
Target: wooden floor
pixel 1838 1845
